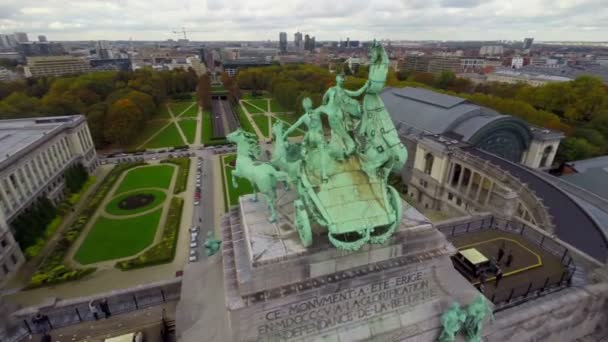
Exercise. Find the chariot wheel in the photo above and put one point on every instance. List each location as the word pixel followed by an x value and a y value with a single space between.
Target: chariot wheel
pixel 303 223
pixel 382 234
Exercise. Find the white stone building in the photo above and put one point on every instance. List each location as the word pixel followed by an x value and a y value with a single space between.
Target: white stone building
pixel 34 154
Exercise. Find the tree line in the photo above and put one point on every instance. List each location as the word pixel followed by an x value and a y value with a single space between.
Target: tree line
pixel 578 108
pixel 116 104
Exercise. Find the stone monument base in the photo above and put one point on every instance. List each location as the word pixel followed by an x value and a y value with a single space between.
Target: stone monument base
pixel 277 290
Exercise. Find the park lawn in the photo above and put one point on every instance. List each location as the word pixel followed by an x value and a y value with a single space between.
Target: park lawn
pixel 113 208
pixel 152 176
pixel 118 238
pixel 290 118
pixel 192 112
pixel 245 124
pixel 262 103
pixel 275 107
pixel 252 109
pixel 261 121
pixel 162 112
pixel 297 133
pixel 178 107
pixel 150 128
pixel 244 187
pixel 166 138
pixel 189 128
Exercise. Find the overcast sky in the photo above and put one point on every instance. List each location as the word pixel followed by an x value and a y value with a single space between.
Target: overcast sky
pixel 325 19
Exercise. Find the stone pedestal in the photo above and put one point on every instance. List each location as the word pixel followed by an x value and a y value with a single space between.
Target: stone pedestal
pixel 277 290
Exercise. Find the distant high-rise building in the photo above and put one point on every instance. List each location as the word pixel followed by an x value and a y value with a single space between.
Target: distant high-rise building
pixel 312 44
pixel 528 43
pixel 306 42
pixel 42 38
pixel 21 37
pixel 347 44
pixel 8 40
pixel 102 50
pixel 283 41
pixel 297 40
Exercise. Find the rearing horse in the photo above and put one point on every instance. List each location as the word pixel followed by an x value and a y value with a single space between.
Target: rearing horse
pixel 262 176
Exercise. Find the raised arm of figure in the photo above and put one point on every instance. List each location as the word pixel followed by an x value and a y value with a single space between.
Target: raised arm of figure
pixel 357 93
pixel 293 127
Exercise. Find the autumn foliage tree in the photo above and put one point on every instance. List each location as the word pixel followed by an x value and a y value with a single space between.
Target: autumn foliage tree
pixel 203 92
pixel 122 121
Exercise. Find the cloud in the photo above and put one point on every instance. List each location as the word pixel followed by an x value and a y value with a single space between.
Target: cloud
pixel 327 20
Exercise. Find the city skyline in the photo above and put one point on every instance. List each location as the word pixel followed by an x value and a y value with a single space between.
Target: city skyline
pixel 582 20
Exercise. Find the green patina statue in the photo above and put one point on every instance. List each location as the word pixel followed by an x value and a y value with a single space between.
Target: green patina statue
pixel 341 182
pixel 452 321
pixel 477 311
pixel 262 176
pixel 469 319
pixel 212 245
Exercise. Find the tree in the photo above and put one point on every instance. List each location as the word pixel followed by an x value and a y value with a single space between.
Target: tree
pixel 203 92
pixel 445 80
pixel 423 77
pixel 96 116
pixel 122 121
pixel 573 148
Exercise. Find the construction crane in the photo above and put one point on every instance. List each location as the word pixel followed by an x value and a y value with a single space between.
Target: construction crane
pixel 184 32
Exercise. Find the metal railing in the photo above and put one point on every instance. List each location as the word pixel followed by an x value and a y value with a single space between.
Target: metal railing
pixel 535 288
pixel 75 311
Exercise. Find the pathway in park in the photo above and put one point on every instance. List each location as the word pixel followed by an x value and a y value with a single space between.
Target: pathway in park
pixel 173 121
pixel 27 270
pixel 266 112
pixel 101 212
pixel 250 118
pixel 108 279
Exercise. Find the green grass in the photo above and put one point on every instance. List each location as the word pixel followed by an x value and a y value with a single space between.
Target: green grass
pixel 166 138
pixel 150 127
pixel 183 170
pixel 189 128
pixel 162 112
pixel 157 176
pixel 252 109
pixel 244 187
pixel 245 124
pixel 190 113
pixel 297 133
pixel 262 103
pixel 113 239
pixel 178 107
pixel 113 208
pixel 164 250
pixel 261 121
pixel 275 107
pixel 290 118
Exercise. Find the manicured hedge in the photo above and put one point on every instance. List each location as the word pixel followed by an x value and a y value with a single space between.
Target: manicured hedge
pixel 182 173
pixel 52 270
pixel 164 251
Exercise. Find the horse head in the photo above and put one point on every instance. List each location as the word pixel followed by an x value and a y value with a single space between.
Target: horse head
pixel 277 129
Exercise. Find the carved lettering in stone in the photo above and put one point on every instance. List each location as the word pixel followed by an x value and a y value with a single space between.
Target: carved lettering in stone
pixel 323 313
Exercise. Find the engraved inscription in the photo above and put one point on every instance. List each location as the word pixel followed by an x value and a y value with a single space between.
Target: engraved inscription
pixel 322 313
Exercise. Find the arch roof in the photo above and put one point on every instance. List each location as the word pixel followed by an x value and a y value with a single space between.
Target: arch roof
pixel 438 113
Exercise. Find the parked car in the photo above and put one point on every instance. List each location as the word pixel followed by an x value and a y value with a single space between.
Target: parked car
pixel 193 244
pixel 194 229
pixel 197 202
pixel 193 258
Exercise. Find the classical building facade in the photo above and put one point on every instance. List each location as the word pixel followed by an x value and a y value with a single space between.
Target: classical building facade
pixel 34 154
pixel 417 110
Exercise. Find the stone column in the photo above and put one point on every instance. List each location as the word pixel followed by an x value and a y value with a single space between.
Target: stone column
pixel 39 164
pixel 470 185
pixel 481 182
pixel 490 189
pixel 27 179
pixel 7 200
pixel 34 173
pixel 12 189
